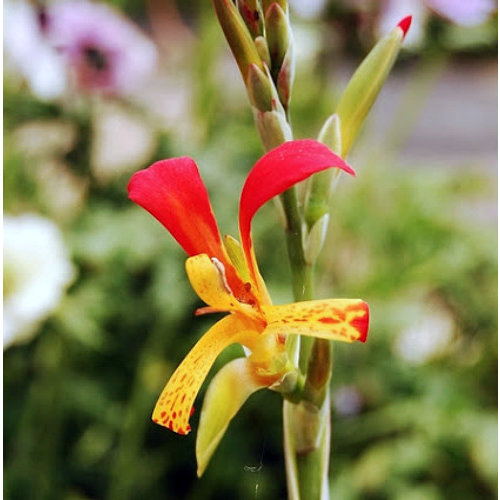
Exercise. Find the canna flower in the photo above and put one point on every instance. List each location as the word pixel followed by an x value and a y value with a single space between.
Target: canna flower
pixel 226 277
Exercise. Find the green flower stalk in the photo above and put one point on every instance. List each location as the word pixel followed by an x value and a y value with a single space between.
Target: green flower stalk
pixel 269 91
pixel 289 345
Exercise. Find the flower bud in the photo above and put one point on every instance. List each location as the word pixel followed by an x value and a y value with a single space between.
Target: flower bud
pixel 273 128
pixel 263 50
pixel 278 36
pixel 315 239
pixel 319 371
pixel 285 77
pixel 267 3
pixel 366 83
pixel 237 35
pixel 251 13
pixel 322 184
pixel 330 134
pixel 260 88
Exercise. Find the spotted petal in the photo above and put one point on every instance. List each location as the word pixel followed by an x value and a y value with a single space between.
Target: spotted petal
pixel 174 406
pixel 276 172
pixel 333 319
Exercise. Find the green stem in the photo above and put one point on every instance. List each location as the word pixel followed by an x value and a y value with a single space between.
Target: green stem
pixel 313 465
pixel 301 271
pixel 307 449
pixel 306 428
pixel 306 423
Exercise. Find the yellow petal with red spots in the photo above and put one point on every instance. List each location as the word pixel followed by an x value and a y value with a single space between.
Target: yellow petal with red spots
pixel 334 319
pixel 175 404
pixel 207 277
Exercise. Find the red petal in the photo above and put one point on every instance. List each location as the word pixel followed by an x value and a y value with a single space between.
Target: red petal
pixel 404 24
pixel 277 171
pixel 173 192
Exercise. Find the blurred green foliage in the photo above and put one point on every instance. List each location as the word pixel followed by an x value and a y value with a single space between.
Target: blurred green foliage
pixel 78 398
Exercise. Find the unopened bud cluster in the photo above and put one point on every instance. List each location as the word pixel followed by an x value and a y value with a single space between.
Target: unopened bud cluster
pixel 260 37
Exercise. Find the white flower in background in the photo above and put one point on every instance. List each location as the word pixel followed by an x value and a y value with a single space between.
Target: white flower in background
pixel 464 12
pixel 37 271
pixel 104 51
pixel 62 192
pixel 347 401
pixel 308 9
pixel 45 137
pixel 44 143
pixel 426 340
pixel 121 141
pixel 307 45
pixel 28 51
pixel 461 12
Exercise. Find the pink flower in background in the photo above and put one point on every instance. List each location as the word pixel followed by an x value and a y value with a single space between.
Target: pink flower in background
pixel 464 12
pixel 461 12
pixel 105 52
pixel 25 42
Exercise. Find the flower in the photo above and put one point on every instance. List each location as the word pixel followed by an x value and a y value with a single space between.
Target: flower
pixel 226 277
pixel 121 141
pixel 37 271
pixel 104 51
pixel 427 339
pixel 464 13
pixel 468 13
pixel 25 42
pixel 309 9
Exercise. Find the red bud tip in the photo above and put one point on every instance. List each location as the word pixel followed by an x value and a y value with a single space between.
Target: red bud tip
pixel 404 24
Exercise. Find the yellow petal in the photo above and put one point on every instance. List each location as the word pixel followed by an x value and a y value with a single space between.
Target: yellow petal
pixel 226 394
pixel 334 319
pixel 175 404
pixel 207 277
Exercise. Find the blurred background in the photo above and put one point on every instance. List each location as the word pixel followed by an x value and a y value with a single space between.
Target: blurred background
pixel 97 308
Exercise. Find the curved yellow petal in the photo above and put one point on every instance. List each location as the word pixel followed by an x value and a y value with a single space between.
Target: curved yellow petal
pixel 334 319
pixel 226 394
pixel 207 277
pixel 175 404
